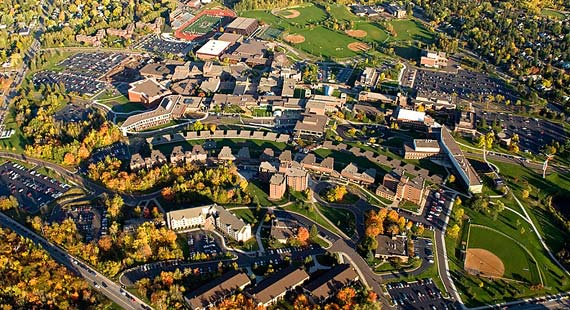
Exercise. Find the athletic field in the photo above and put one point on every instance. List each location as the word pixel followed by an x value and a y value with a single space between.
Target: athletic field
pixel 203 24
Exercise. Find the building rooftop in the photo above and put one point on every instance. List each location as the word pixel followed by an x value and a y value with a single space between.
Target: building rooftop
pixel 411 115
pixel 214 291
pixel 391 246
pixel 214 47
pixel 311 122
pixel 150 87
pixel 241 23
pixel 328 283
pixel 278 283
pixel 457 154
pixel 426 144
pixel 277 179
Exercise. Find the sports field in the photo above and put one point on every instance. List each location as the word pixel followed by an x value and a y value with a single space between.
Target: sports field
pixel 322 41
pixel 518 265
pixel 203 24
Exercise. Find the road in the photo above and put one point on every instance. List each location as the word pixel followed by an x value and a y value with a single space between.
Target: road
pixel 109 289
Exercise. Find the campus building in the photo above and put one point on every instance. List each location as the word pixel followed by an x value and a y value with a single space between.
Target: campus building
pixel 311 125
pixel 351 173
pixel 213 292
pixel 147 91
pixel 415 119
pixel 213 49
pixel 242 25
pixel 170 108
pixel 329 283
pixel 274 288
pixel 461 165
pixel 392 247
pixel 212 217
pixel 277 186
pixel 432 59
pixel 422 148
pixel 398 186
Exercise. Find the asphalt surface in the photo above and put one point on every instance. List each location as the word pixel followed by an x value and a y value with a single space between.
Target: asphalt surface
pixel 417 295
pixel 93 278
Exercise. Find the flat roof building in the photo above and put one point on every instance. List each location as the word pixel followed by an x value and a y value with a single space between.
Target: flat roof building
pixel 147 91
pixel 392 247
pixel 242 25
pixel 467 173
pixel 212 49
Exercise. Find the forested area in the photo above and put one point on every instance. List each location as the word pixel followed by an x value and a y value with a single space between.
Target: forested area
pixel 513 35
pixel 86 17
pixel 32 280
pixel 15 16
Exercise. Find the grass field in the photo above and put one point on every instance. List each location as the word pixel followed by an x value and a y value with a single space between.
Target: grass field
pixel 497 291
pixel 129 107
pixel 374 32
pixel 343 219
pixel 203 24
pixel 409 30
pixel 518 264
pixel 309 14
pixel 320 41
pixel 342 13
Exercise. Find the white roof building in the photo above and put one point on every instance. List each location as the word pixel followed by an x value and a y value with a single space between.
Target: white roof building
pixel 411 115
pixel 213 48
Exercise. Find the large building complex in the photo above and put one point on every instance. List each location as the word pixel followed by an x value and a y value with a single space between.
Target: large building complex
pixel 211 217
pixel 242 25
pixel 463 167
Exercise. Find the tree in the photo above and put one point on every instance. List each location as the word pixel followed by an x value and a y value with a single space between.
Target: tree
pixel 7 203
pixel 458 214
pixel 458 201
pixel 453 231
pixel 303 235
pixel 451 178
pixel 314 231
pixel 336 193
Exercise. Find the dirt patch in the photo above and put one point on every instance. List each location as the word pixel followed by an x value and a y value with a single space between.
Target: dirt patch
pixel 356 33
pixel 290 14
pixel 358 47
pixel 484 263
pixel 294 38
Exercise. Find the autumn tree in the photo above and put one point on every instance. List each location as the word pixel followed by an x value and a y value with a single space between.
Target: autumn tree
pixel 7 203
pixel 303 235
pixel 453 231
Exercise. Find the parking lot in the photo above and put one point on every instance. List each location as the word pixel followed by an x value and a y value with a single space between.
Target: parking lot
pixel 31 188
pixel 202 241
pixel 533 132
pixel 437 206
pixel 421 295
pixel 466 84
pixel 82 72
pixel 155 44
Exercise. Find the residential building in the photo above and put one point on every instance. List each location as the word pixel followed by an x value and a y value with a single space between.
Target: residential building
pixel 432 59
pixel 422 148
pixel 156 159
pixel 283 230
pixel 211 293
pixel 329 283
pixel 277 186
pixel 285 159
pixel 351 172
pixel 198 154
pixel 274 288
pixel 461 165
pixel 170 108
pixel 225 154
pixel 212 49
pixel 242 25
pixel 266 170
pixel 147 91
pixel 392 247
pixel 212 217
pixel 398 186
pixel 297 179
pixel 177 156
pixel 137 162
pixel 311 125
pixel 326 166
pixel 243 154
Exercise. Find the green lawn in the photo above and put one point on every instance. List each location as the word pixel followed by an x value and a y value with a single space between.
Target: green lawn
pixel 203 24
pixel 342 13
pixel 500 291
pixel 309 14
pixel 518 264
pixel 374 32
pixel 320 41
pixel 411 30
pixel 343 219
pixel 312 215
pixel 129 107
